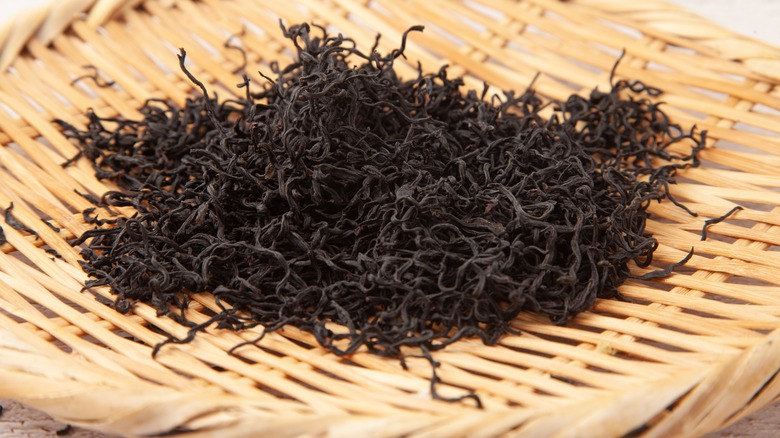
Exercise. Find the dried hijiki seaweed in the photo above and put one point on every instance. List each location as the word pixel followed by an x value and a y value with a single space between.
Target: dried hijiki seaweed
pixel 410 212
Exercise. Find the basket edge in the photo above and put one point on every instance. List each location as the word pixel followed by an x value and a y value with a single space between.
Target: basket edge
pixel 46 22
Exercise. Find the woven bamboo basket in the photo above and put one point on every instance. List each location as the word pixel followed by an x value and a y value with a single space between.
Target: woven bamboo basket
pixel 692 353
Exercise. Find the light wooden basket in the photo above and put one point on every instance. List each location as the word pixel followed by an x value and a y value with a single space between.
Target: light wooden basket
pixel 695 352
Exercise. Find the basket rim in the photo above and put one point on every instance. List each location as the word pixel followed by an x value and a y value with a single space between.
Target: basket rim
pixel 44 23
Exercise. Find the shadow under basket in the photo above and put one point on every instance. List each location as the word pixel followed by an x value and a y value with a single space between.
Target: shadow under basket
pixel 686 355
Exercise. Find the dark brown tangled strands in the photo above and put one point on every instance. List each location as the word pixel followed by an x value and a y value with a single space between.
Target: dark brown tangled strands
pixel 411 213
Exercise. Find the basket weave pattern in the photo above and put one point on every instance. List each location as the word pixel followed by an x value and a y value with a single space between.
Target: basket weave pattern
pixel 692 353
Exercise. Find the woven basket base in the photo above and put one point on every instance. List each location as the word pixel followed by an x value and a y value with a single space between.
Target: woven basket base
pixel 695 352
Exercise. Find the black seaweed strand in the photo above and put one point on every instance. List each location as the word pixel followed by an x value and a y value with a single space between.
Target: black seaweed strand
pixel 230 44
pixel 716 220
pixel 15 223
pixel 95 76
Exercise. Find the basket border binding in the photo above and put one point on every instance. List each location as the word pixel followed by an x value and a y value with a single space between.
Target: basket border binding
pixel 47 22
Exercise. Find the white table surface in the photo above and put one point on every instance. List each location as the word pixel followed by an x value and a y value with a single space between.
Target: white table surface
pixel 754 18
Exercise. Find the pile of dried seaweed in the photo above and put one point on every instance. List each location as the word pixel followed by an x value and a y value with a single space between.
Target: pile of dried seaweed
pixel 411 212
